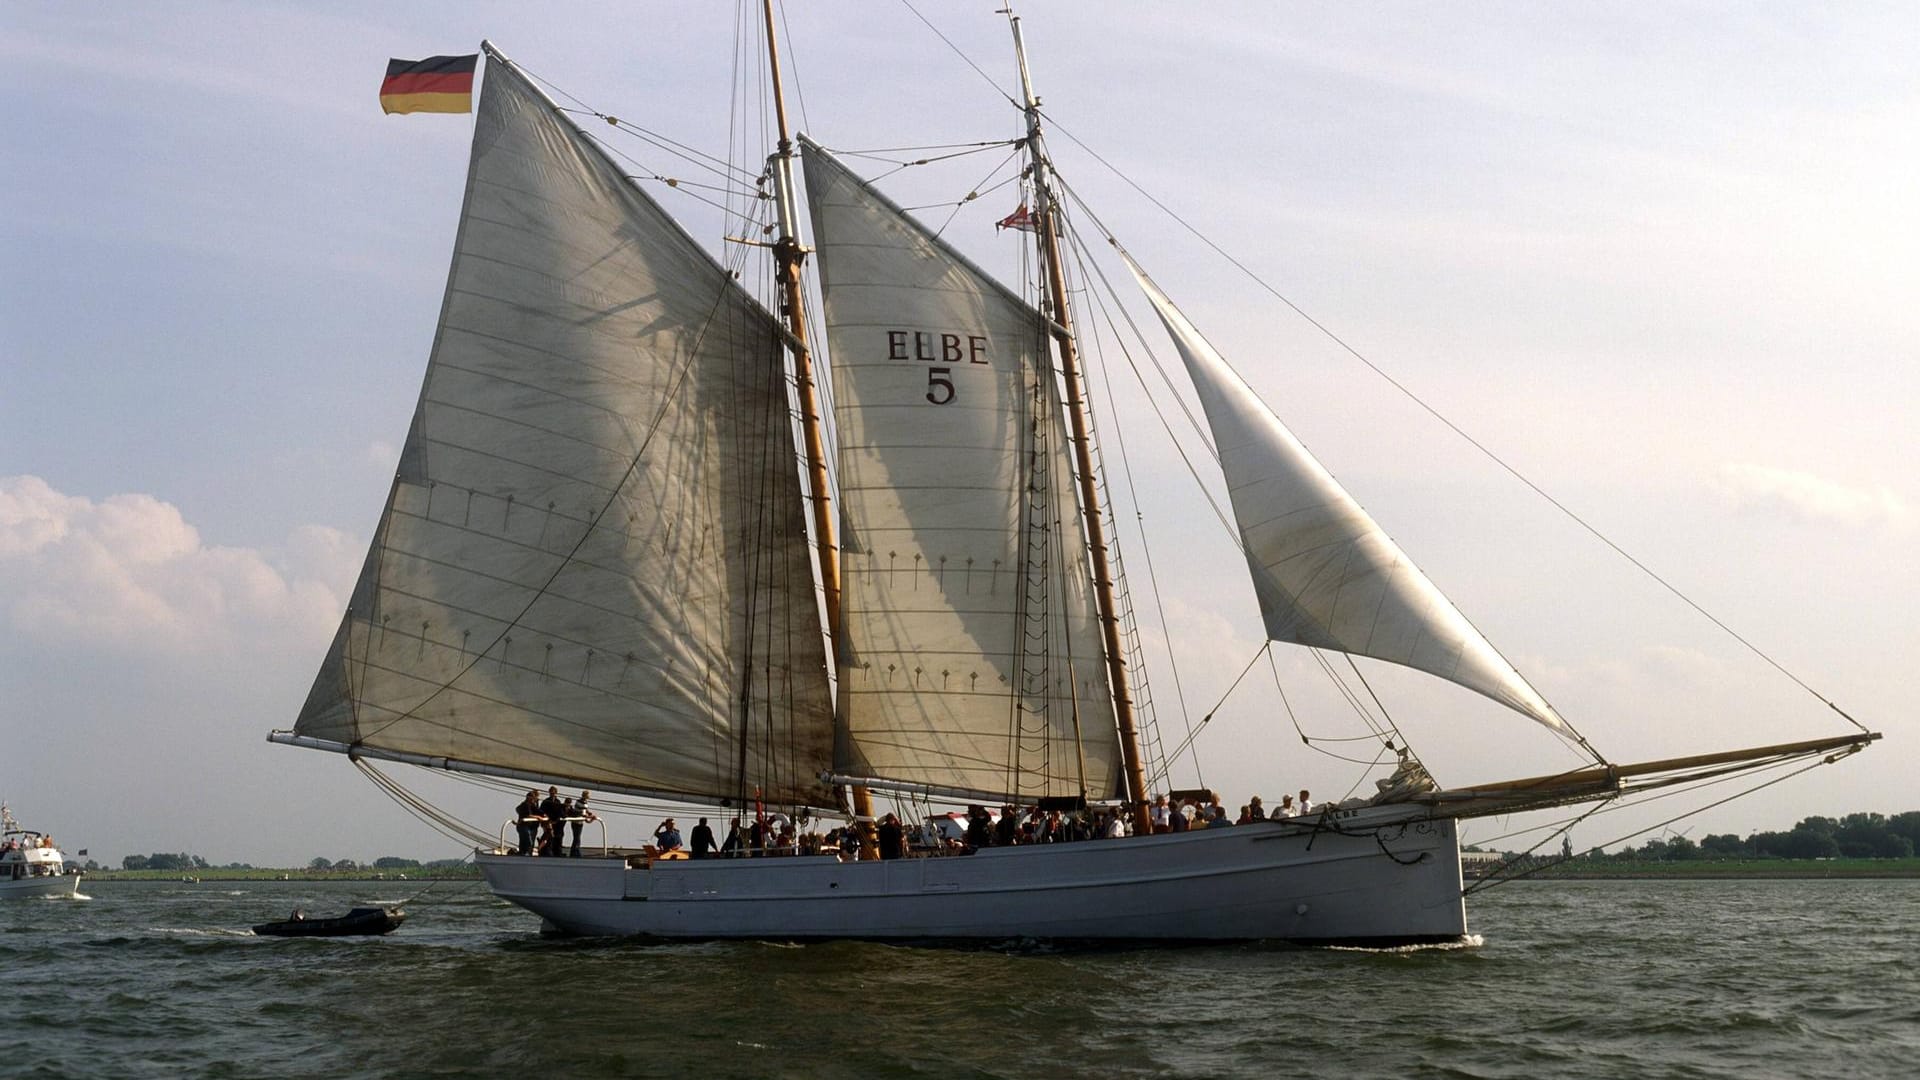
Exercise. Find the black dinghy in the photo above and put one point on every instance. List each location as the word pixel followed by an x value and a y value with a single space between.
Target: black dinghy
pixel 361 921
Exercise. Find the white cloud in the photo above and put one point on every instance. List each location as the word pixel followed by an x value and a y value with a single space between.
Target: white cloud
pixel 128 573
pixel 1806 497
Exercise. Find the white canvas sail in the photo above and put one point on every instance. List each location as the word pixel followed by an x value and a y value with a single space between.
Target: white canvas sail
pixel 972 657
pixel 593 563
pixel 1326 574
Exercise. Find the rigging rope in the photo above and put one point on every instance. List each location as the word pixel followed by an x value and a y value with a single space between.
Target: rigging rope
pixel 901 166
pixel 878 152
pixel 1194 732
pixel 963 56
pixel 1353 700
pixel 1378 704
pixel 445 824
pixel 976 191
pixel 432 885
pixel 721 168
pixel 1491 879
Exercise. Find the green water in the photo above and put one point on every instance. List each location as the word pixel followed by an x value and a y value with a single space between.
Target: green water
pixel 1571 979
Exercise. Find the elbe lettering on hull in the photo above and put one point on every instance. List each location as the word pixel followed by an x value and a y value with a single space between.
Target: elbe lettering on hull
pixel 940 348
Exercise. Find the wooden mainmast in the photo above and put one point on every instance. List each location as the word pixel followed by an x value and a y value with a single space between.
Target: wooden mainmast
pixel 1047 230
pixel 788 255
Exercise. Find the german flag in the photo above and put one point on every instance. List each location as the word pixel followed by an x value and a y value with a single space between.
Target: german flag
pixel 442 84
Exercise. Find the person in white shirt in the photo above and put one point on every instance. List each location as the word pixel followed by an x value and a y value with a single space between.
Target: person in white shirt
pixel 1306 804
pixel 1161 816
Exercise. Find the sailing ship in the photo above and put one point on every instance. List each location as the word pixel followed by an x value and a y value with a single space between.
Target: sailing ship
pixel 624 549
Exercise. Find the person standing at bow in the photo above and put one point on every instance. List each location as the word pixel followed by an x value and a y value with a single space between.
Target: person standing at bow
pixel 667 837
pixel 703 840
pixel 893 838
pixel 526 818
pixel 555 813
pixel 578 819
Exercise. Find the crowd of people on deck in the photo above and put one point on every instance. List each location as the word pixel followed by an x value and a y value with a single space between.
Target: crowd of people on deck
pixel 543 823
pixel 1181 814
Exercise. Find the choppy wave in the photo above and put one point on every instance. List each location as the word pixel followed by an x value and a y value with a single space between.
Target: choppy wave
pixel 1579 980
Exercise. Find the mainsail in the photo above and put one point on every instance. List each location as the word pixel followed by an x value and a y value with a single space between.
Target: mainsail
pixel 972 657
pixel 1326 574
pixel 593 563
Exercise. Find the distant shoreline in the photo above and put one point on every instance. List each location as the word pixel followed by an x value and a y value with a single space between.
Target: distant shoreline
pixel 1725 870
pixel 212 874
pixel 1733 875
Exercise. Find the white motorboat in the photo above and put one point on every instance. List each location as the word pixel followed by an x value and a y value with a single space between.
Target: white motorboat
pixel 30 864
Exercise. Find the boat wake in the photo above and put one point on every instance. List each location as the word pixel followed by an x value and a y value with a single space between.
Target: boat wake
pixel 1470 941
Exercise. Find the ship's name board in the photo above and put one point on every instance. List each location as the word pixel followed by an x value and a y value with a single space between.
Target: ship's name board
pixel 942 350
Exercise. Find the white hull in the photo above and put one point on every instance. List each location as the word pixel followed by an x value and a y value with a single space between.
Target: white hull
pixel 24 888
pixel 1382 878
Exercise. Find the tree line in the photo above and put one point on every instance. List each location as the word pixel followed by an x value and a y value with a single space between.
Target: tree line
pixel 1855 836
pixel 163 860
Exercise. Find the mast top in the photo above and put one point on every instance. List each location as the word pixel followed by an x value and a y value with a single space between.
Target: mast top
pixel 1028 101
pixel 785 144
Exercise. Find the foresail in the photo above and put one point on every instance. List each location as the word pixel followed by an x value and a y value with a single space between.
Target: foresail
pixel 972 657
pixel 1326 574
pixel 593 562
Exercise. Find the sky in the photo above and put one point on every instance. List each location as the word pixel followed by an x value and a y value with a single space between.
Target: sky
pixel 1659 259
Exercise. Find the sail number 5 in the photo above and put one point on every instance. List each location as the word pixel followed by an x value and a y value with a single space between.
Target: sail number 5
pixel 943 350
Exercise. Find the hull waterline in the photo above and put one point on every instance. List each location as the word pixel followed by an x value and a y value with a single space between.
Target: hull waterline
pixel 1376 884
pixel 63 885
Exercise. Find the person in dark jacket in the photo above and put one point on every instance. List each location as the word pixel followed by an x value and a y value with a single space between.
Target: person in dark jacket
pixel 979 827
pixel 1007 828
pixel 555 812
pixel 526 818
pixel 893 838
pixel 731 845
pixel 702 840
